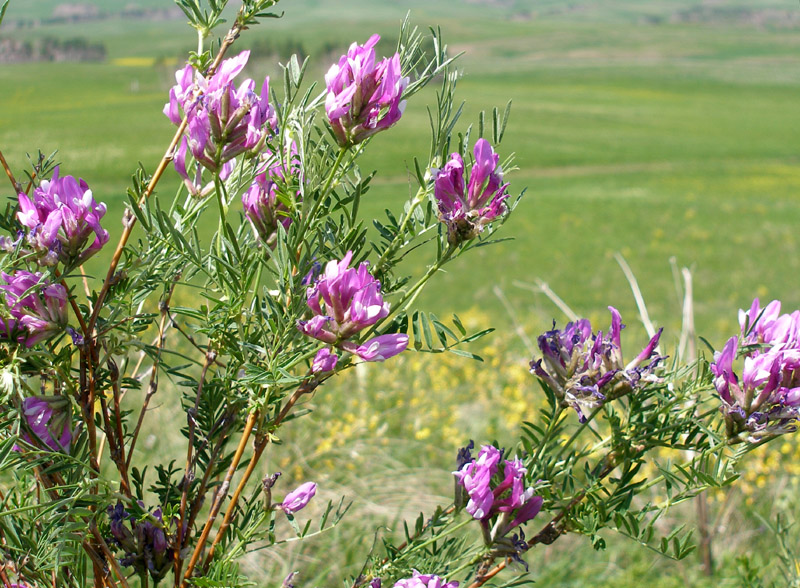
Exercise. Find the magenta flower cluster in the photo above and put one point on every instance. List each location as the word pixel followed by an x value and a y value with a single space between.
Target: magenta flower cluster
pixel 584 369
pixel 418 580
pixel 494 491
pixel 222 121
pixel 364 97
pixel 262 205
pixel 61 218
pixel 37 308
pixel 466 206
pixel 344 301
pixel 765 400
pixel 48 418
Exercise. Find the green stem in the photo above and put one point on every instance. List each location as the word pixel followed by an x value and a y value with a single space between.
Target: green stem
pixel 411 295
pixel 415 203
pixel 325 190
pixel 432 540
pixel 554 421
pixel 660 478
pixel 223 213
pixel 578 431
pixel 470 563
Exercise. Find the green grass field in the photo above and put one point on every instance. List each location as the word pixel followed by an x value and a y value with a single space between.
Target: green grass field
pixel 657 130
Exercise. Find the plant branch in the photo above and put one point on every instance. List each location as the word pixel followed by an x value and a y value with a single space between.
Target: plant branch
pixel 220 497
pixel 130 220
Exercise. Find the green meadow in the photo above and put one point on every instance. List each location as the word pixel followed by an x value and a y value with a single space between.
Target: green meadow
pixel 632 133
pixel 666 131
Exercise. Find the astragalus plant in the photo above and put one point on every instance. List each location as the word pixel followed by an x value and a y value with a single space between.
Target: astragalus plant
pixel 259 281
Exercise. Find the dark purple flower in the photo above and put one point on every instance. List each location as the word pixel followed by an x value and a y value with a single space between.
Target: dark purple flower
pixel 344 301
pixel 583 369
pixel 143 538
pixel 363 97
pixel 418 580
pixel 60 218
pixel 49 419
pixel 38 308
pixel 222 121
pixel 765 401
pixel 298 499
pixel 466 207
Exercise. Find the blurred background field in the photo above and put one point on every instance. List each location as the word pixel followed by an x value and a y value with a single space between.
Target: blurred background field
pixel 658 130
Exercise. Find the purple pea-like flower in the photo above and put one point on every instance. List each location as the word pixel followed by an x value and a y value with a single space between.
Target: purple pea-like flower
pixel 38 308
pixel 263 206
pixel 195 184
pixel 48 418
pixel 222 121
pixel 344 301
pixel 584 369
pixel 765 400
pixel 364 97
pixel 467 206
pixel 61 217
pixel 506 498
pixel 476 477
pixel 300 497
pixel 324 361
pixel 767 325
pixel 418 580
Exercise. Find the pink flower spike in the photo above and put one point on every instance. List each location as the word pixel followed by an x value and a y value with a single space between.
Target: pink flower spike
pixel 466 210
pixel 363 97
pixel 61 217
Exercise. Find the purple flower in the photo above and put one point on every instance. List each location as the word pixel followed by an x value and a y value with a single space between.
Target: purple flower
pixel 490 496
pixel 288 581
pixel 418 580
pixel 144 539
pixel 195 183
pixel 767 325
pixel 222 121
pixel 60 218
pixel 379 348
pixel 765 401
pixel 48 418
pixel 344 301
pixel 466 207
pixel 38 308
pixel 476 477
pixel 498 497
pixel 584 370
pixel 324 361
pixel 263 206
pixel 363 97
pixel 298 499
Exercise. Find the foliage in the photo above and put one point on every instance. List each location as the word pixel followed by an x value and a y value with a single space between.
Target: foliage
pixel 248 322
